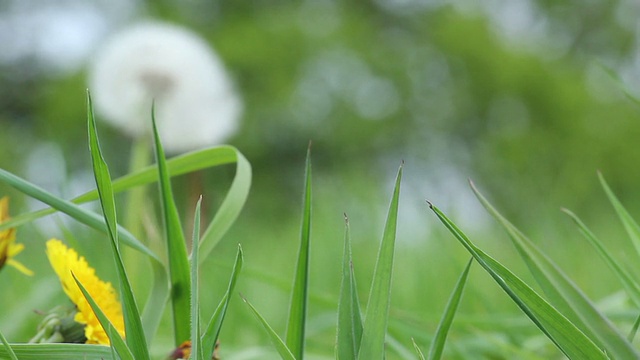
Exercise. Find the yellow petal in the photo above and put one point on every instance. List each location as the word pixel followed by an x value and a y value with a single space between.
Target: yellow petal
pixel 23 269
pixel 8 247
pixel 66 261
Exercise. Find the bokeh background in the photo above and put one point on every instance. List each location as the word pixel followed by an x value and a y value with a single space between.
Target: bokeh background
pixel 527 98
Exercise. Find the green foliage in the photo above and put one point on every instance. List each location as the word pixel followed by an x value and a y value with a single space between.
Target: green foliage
pixel 374 328
pixel 176 248
pixel 564 334
pixel 212 332
pixel 194 316
pixel 298 306
pixel 563 293
pixel 7 348
pixel 349 332
pixel 136 341
pixel 117 343
pixel 439 340
pixel 57 351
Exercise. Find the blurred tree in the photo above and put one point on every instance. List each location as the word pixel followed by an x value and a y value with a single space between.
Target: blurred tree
pixel 510 93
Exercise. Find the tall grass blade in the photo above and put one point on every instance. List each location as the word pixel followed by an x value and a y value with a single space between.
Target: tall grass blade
pixel 196 342
pixel 7 348
pixel 298 305
pixel 375 323
pixel 562 332
pixel 632 287
pixel 133 325
pixel 349 331
pixel 156 302
pixel 563 293
pixel 215 323
pixel 418 351
pixel 176 248
pixel 439 340
pixel 57 351
pixel 634 329
pixel 124 352
pixel 630 225
pixel 282 348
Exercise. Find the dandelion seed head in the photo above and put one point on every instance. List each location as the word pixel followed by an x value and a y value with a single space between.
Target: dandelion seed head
pixel 195 102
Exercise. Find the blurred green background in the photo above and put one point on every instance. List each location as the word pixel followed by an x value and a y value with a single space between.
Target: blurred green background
pixel 527 98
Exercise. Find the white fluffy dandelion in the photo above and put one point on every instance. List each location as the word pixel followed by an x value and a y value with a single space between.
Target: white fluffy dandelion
pixel 195 102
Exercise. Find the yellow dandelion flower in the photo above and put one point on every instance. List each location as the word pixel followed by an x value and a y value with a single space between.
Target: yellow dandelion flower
pixel 66 261
pixel 8 247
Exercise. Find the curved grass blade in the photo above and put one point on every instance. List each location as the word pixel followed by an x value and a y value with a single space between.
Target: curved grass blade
pixel 349 331
pixel 215 323
pixel 375 323
pixel 117 342
pixel 7 348
pixel 230 207
pixel 437 345
pixel 630 225
pixel 86 217
pixel 133 325
pixel 57 351
pixel 562 332
pixel 632 287
pixel 196 343
pixel 182 164
pixel 563 293
pixel 176 248
pixel 282 348
pixel 299 295
pixel 417 348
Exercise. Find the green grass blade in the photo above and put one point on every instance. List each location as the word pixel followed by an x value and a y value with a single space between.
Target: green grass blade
pixel 182 164
pixel 102 176
pixel 280 346
pixel 133 325
pixel 439 340
pixel 299 295
pixel 156 302
pixel 418 351
pixel 563 293
pixel 86 217
pixel 215 323
pixel 230 207
pixel 7 348
pixel 349 333
pixel 634 329
pixel 176 248
pixel 57 351
pixel 630 225
pixel 157 298
pixel 375 323
pixel 562 332
pixel 196 343
pixel 632 287
pixel 124 352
